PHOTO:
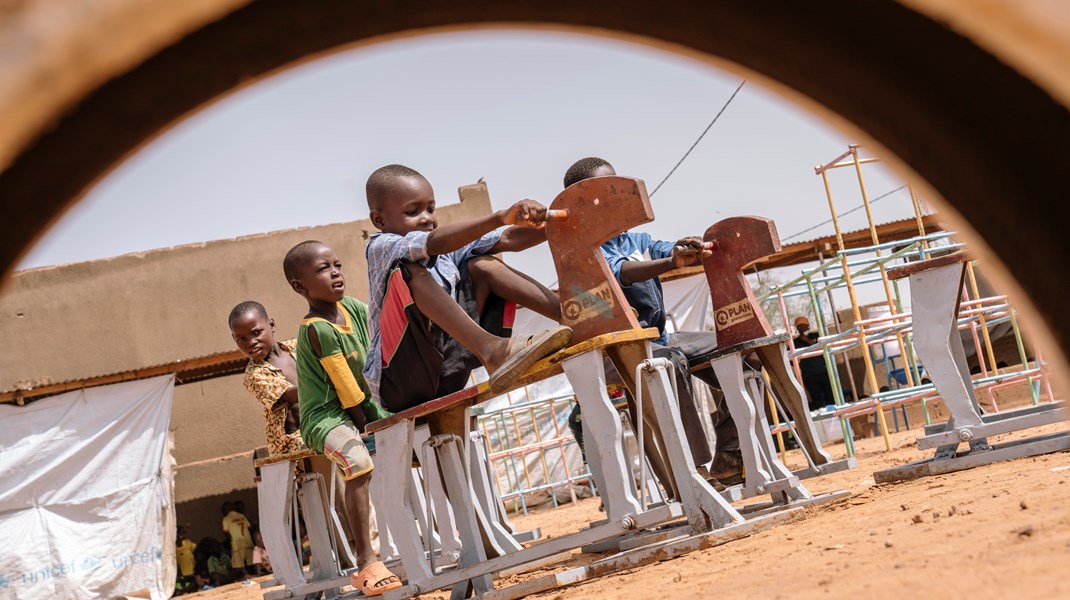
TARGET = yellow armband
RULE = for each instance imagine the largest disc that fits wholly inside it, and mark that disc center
(349, 392)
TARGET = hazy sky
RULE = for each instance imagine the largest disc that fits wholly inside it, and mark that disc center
(516, 108)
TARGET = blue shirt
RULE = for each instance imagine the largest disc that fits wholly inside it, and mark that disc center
(386, 251)
(646, 297)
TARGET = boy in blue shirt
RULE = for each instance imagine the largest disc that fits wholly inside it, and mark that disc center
(638, 278)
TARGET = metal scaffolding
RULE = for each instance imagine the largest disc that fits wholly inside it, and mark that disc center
(853, 267)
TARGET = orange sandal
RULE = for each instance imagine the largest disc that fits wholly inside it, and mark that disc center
(370, 579)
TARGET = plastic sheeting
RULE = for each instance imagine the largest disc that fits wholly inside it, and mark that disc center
(86, 509)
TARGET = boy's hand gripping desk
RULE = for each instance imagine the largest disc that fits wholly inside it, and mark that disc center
(741, 328)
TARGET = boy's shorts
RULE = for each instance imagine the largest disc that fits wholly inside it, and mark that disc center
(346, 450)
(241, 558)
(422, 361)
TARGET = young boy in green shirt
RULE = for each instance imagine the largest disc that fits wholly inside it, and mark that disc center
(332, 345)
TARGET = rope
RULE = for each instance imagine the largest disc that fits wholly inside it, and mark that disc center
(843, 214)
(682, 158)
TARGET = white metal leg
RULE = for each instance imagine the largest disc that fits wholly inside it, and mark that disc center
(602, 434)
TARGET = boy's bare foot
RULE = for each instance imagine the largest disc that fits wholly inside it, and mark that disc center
(521, 353)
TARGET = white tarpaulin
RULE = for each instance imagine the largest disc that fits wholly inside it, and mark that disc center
(687, 303)
(85, 500)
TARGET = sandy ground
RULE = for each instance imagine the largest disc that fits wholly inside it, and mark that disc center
(995, 531)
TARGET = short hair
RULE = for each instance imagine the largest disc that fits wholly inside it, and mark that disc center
(296, 257)
(583, 168)
(383, 181)
(244, 307)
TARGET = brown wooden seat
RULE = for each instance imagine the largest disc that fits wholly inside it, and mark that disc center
(924, 265)
(545, 368)
(699, 363)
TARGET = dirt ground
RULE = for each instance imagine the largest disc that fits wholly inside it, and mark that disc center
(996, 531)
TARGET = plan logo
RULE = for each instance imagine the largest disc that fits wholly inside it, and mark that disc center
(588, 304)
(734, 314)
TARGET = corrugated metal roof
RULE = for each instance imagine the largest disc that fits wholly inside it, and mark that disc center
(185, 370)
(813, 250)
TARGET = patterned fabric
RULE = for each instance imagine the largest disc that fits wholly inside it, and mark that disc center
(267, 384)
(384, 252)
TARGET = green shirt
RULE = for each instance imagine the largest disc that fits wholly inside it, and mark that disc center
(318, 389)
(219, 565)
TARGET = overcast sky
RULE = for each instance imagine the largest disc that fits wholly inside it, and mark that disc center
(516, 108)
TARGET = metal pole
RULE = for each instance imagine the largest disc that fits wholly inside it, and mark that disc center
(917, 215)
(871, 375)
(834, 382)
(542, 450)
(972, 277)
(884, 272)
(1025, 361)
(839, 329)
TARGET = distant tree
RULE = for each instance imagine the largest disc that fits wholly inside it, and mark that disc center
(764, 283)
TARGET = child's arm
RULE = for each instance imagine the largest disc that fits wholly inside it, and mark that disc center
(292, 421)
(518, 238)
(288, 399)
(453, 236)
(345, 383)
(272, 392)
(686, 251)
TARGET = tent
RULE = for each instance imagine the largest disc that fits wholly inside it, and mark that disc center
(86, 504)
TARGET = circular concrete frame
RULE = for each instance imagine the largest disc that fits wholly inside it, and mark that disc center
(973, 130)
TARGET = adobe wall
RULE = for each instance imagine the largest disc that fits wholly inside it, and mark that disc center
(87, 319)
(139, 310)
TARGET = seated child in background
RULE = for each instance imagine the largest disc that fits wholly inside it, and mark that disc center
(639, 281)
(270, 376)
(332, 344)
(217, 564)
(440, 304)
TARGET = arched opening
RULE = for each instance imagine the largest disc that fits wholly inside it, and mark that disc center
(935, 102)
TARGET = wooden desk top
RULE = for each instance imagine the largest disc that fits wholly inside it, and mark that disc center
(292, 456)
(544, 369)
(924, 265)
